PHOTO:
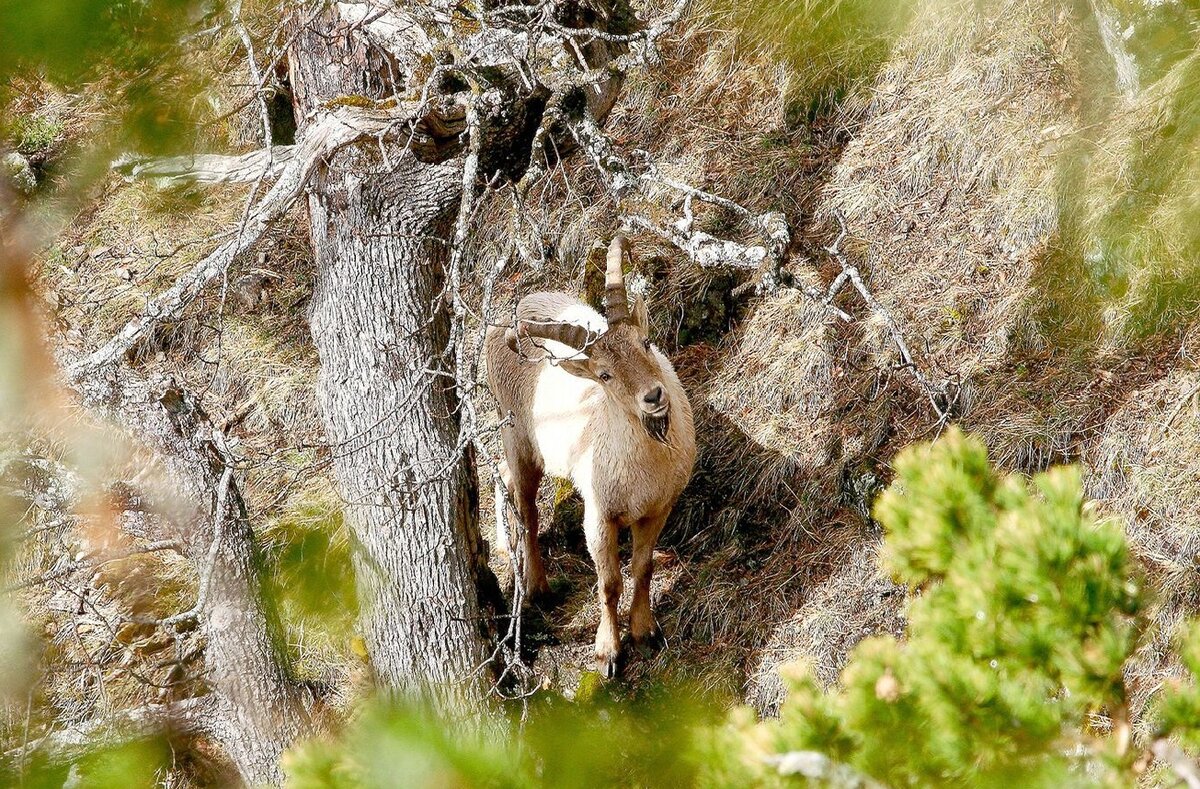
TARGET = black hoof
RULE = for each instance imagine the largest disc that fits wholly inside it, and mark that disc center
(651, 642)
(610, 667)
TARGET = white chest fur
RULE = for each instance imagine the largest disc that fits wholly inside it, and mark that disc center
(566, 410)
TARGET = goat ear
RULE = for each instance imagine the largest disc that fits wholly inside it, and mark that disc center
(638, 314)
(579, 369)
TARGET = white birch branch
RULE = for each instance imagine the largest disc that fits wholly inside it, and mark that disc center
(188, 716)
(1173, 756)
(703, 248)
(819, 767)
(1127, 79)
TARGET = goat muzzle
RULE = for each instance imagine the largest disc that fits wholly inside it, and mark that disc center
(657, 424)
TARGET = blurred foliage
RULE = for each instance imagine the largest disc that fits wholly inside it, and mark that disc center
(141, 764)
(833, 44)
(1025, 618)
(1126, 264)
(1023, 614)
(1157, 33)
(598, 740)
(1179, 710)
(308, 575)
(126, 55)
(79, 81)
(1025, 609)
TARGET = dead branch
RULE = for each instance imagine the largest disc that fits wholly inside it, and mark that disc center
(264, 114)
(425, 129)
(817, 766)
(1173, 756)
(706, 250)
(206, 168)
(1184, 400)
(1125, 68)
(850, 273)
(254, 712)
(185, 717)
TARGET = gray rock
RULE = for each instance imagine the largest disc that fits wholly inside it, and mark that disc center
(16, 172)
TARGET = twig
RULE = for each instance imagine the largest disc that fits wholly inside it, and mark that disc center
(186, 716)
(1173, 756)
(235, 14)
(851, 274)
(1166, 425)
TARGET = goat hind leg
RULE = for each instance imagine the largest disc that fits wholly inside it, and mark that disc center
(526, 558)
(536, 584)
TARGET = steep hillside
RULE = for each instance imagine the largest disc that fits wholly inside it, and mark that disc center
(965, 174)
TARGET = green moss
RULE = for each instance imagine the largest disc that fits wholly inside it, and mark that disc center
(33, 134)
(568, 507)
(357, 100)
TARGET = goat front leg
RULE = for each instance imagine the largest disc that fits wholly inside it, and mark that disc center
(602, 545)
(642, 626)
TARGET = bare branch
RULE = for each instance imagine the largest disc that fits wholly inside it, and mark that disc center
(818, 766)
(1125, 67)
(264, 115)
(332, 132)
(392, 32)
(189, 716)
(850, 273)
(1173, 756)
(706, 250)
(256, 711)
(207, 168)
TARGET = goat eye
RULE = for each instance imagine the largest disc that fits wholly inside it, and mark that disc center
(606, 376)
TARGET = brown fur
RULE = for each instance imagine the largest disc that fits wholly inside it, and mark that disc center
(588, 420)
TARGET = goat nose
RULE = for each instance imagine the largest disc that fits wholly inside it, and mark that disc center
(654, 396)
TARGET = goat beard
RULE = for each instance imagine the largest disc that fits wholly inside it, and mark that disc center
(657, 426)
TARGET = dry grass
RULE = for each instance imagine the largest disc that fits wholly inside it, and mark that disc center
(776, 384)
(949, 182)
(948, 185)
(1145, 470)
(854, 602)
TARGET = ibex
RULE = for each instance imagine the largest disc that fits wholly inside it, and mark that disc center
(593, 401)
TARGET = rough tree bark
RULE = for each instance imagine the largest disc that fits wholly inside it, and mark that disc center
(380, 323)
(253, 712)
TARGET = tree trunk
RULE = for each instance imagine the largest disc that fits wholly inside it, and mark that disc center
(254, 712)
(380, 228)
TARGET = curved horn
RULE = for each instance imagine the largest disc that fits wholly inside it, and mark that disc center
(569, 334)
(616, 302)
